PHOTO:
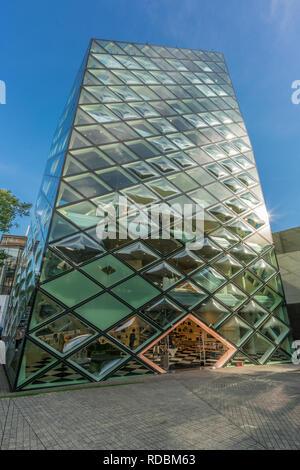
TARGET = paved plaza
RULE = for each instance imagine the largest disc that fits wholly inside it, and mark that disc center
(234, 408)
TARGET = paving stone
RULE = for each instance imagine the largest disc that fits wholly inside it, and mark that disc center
(224, 409)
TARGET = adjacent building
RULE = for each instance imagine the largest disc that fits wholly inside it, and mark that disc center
(12, 246)
(151, 125)
(287, 245)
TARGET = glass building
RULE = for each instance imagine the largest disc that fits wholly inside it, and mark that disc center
(155, 125)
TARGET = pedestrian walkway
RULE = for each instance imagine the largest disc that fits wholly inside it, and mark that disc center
(235, 408)
(4, 387)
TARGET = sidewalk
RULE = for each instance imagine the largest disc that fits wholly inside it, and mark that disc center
(4, 387)
(234, 408)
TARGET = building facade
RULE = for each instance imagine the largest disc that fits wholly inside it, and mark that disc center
(150, 125)
(12, 246)
(287, 246)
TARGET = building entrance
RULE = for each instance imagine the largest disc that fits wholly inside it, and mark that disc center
(188, 345)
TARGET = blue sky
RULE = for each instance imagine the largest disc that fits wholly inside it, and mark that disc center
(43, 43)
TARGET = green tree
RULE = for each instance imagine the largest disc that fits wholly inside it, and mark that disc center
(10, 208)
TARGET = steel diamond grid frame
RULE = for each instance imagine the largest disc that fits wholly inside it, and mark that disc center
(140, 119)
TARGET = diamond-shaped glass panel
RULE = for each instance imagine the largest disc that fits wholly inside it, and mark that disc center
(83, 214)
(99, 112)
(163, 312)
(276, 284)
(239, 228)
(162, 275)
(211, 312)
(103, 311)
(221, 213)
(44, 308)
(209, 278)
(164, 246)
(209, 250)
(248, 282)
(255, 220)
(35, 360)
(119, 153)
(132, 368)
(258, 348)
(116, 178)
(64, 334)
(253, 313)
(224, 238)
(137, 255)
(133, 333)
(231, 296)
(92, 158)
(57, 376)
(227, 265)
(128, 291)
(53, 265)
(107, 270)
(186, 260)
(243, 254)
(99, 358)
(72, 288)
(79, 248)
(187, 294)
(67, 195)
(96, 134)
(142, 170)
(236, 205)
(235, 330)
(268, 298)
(202, 197)
(274, 330)
(141, 195)
(263, 269)
(163, 188)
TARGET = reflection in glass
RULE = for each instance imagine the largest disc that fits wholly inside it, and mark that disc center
(163, 311)
(211, 312)
(133, 332)
(187, 294)
(231, 296)
(98, 358)
(235, 330)
(53, 265)
(274, 330)
(79, 248)
(137, 255)
(258, 348)
(162, 275)
(44, 308)
(64, 334)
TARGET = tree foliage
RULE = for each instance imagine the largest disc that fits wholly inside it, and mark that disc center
(3, 257)
(10, 208)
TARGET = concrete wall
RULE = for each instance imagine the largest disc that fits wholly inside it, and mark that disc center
(287, 244)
